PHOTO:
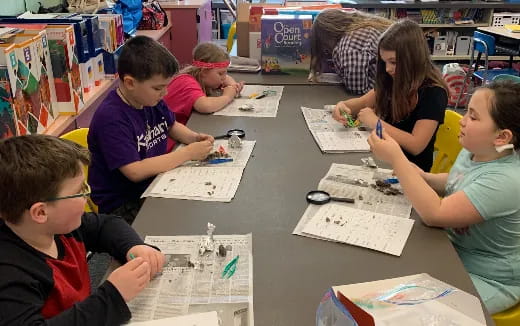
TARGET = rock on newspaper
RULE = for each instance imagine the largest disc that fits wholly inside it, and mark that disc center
(191, 283)
(250, 104)
(375, 220)
(199, 181)
(331, 136)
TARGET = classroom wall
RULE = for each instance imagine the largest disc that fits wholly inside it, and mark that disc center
(16, 7)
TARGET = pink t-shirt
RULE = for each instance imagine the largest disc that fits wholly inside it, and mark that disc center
(183, 91)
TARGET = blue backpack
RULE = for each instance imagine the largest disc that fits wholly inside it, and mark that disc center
(132, 11)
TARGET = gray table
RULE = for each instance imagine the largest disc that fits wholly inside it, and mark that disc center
(259, 78)
(291, 273)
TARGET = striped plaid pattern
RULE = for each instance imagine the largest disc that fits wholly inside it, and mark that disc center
(355, 58)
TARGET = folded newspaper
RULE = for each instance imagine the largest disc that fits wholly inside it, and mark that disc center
(242, 64)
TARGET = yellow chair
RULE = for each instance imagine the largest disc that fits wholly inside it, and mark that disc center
(447, 145)
(509, 317)
(79, 136)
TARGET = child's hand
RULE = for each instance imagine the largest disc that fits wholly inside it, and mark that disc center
(202, 137)
(337, 113)
(240, 86)
(386, 149)
(368, 117)
(152, 256)
(230, 91)
(131, 278)
(199, 150)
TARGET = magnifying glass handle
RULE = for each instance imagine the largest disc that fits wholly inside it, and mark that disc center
(220, 137)
(343, 199)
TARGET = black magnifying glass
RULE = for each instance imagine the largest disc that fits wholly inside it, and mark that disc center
(319, 197)
(232, 132)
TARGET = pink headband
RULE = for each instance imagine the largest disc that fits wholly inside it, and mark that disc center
(201, 64)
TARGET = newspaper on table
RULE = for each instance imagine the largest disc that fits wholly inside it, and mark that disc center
(202, 319)
(375, 220)
(210, 182)
(331, 136)
(244, 106)
(191, 283)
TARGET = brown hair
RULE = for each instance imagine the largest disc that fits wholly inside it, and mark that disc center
(142, 58)
(505, 107)
(331, 25)
(396, 97)
(33, 168)
(205, 52)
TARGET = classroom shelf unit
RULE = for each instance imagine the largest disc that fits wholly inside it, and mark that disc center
(446, 21)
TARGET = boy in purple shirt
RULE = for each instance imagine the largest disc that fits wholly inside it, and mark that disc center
(129, 131)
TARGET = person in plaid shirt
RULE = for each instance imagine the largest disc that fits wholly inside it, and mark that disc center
(350, 39)
(409, 97)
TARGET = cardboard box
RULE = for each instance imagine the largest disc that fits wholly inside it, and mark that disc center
(8, 118)
(65, 67)
(255, 45)
(286, 46)
(26, 89)
(243, 26)
(47, 89)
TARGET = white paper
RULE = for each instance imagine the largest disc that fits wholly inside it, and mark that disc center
(331, 136)
(457, 308)
(182, 289)
(212, 182)
(370, 210)
(375, 231)
(202, 319)
(266, 107)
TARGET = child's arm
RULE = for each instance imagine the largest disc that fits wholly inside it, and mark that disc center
(210, 104)
(23, 296)
(353, 106)
(453, 211)
(185, 135)
(229, 81)
(140, 170)
(415, 142)
(435, 180)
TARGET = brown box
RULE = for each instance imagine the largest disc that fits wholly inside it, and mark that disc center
(243, 25)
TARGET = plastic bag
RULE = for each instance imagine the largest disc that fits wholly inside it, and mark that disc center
(331, 312)
(453, 74)
(132, 13)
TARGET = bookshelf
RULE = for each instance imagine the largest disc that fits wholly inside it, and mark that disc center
(441, 18)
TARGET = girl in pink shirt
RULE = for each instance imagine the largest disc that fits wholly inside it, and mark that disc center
(204, 85)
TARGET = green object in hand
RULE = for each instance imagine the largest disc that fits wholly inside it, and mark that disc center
(131, 256)
(350, 123)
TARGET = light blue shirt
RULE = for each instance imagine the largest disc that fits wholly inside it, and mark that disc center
(492, 248)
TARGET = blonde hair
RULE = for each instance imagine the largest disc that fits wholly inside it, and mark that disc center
(205, 52)
(331, 25)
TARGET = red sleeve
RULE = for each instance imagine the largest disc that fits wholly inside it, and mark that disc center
(183, 91)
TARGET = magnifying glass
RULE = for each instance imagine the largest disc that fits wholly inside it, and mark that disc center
(319, 197)
(232, 132)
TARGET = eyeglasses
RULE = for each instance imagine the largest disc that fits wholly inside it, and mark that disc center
(85, 192)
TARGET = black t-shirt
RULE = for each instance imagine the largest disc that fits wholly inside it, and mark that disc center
(430, 106)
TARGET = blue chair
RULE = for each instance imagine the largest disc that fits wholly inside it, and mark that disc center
(485, 44)
(515, 79)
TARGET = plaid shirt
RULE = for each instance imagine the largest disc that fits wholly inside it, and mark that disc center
(355, 58)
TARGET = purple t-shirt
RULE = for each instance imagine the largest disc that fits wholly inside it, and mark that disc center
(119, 135)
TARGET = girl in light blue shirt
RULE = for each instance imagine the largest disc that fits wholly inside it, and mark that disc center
(480, 197)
